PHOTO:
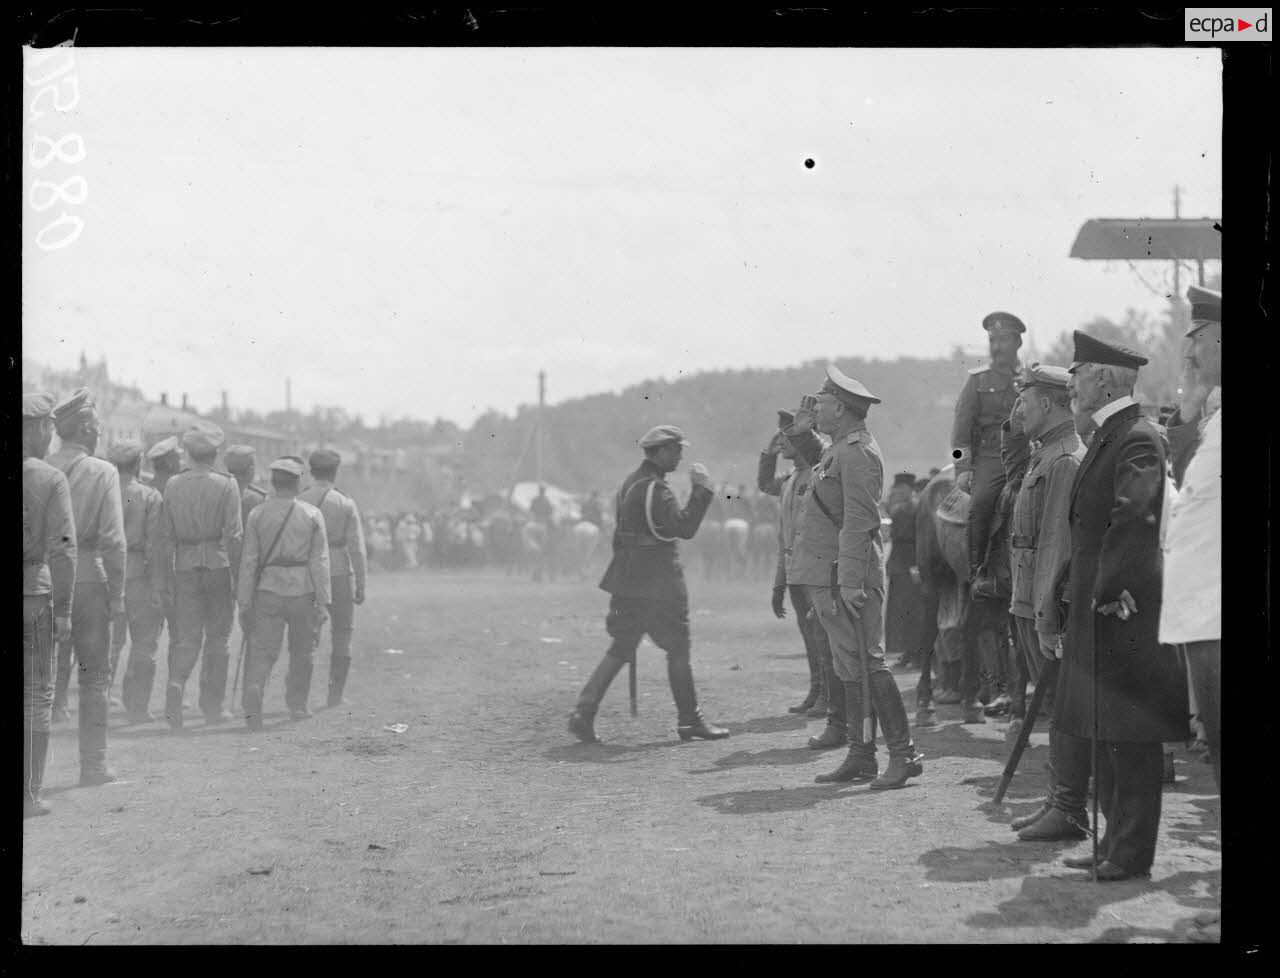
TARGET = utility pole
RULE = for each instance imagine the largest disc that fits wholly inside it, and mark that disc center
(1177, 268)
(537, 443)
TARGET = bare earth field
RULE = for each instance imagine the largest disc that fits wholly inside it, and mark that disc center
(486, 822)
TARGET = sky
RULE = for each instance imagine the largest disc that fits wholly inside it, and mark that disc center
(418, 232)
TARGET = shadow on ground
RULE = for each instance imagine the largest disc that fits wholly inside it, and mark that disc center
(763, 801)
(580, 753)
(778, 756)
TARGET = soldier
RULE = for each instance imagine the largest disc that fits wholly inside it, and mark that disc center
(284, 581)
(1040, 552)
(985, 402)
(48, 581)
(1191, 605)
(100, 568)
(902, 612)
(144, 594)
(791, 489)
(346, 561)
(840, 558)
(165, 457)
(240, 461)
(200, 530)
(647, 584)
(1117, 682)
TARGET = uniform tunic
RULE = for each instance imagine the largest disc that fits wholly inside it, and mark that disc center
(145, 577)
(48, 579)
(985, 403)
(345, 533)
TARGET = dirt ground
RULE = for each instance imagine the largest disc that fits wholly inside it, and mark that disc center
(486, 822)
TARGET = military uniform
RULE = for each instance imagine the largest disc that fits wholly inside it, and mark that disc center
(985, 402)
(144, 583)
(166, 459)
(48, 581)
(284, 583)
(200, 530)
(839, 558)
(99, 591)
(346, 565)
(648, 593)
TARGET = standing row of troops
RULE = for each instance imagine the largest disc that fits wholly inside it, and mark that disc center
(1113, 567)
(104, 553)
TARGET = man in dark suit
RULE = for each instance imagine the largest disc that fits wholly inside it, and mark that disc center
(1117, 680)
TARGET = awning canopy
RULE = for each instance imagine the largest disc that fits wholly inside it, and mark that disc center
(1149, 239)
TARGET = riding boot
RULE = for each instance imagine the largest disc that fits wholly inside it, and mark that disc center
(35, 756)
(252, 707)
(338, 667)
(680, 675)
(297, 684)
(173, 706)
(904, 760)
(593, 692)
(860, 763)
(138, 682)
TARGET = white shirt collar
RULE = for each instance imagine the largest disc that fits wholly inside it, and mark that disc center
(1111, 407)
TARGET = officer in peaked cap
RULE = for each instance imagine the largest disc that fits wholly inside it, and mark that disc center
(48, 582)
(347, 566)
(1090, 349)
(99, 602)
(984, 403)
(201, 531)
(646, 582)
(840, 560)
(283, 584)
(1206, 308)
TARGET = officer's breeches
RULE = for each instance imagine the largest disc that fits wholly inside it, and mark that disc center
(988, 480)
(342, 614)
(667, 624)
(37, 662)
(273, 614)
(849, 644)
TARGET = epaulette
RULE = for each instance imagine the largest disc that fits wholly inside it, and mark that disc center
(858, 437)
(975, 371)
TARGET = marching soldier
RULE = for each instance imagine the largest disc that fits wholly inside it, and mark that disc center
(48, 581)
(240, 461)
(984, 404)
(840, 558)
(144, 593)
(200, 530)
(284, 582)
(1040, 552)
(791, 490)
(347, 566)
(647, 583)
(1118, 686)
(100, 570)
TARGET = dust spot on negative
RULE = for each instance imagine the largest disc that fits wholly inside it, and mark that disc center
(808, 164)
(955, 454)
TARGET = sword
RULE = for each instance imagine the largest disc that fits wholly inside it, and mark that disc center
(1048, 673)
(631, 684)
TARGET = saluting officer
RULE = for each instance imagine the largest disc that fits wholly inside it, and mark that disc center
(284, 581)
(200, 530)
(347, 565)
(984, 404)
(646, 581)
(144, 594)
(48, 580)
(100, 569)
(840, 558)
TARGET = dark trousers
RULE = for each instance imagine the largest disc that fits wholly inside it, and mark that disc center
(988, 480)
(1030, 664)
(91, 641)
(927, 641)
(342, 614)
(667, 624)
(1130, 792)
(37, 663)
(985, 647)
(205, 611)
(902, 622)
(816, 646)
(1205, 660)
(273, 613)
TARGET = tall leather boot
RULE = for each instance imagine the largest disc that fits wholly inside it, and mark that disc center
(338, 668)
(690, 722)
(810, 702)
(859, 764)
(904, 760)
(138, 682)
(35, 754)
(252, 707)
(173, 706)
(582, 719)
(836, 733)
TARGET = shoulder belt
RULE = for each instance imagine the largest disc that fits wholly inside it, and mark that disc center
(977, 371)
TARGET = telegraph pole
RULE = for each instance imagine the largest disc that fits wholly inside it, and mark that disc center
(537, 444)
(1177, 269)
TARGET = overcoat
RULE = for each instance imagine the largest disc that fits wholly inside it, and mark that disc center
(1116, 503)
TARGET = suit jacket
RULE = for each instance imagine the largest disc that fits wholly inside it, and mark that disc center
(1115, 508)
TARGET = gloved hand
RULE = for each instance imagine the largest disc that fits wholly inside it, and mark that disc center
(779, 609)
(699, 476)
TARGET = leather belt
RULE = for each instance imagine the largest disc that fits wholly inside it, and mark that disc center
(1022, 543)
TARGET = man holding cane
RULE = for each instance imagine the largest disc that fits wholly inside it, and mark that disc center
(840, 559)
(647, 584)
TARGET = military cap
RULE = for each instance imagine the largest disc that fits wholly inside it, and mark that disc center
(785, 419)
(73, 404)
(1006, 320)
(845, 387)
(1044, 375)
(288, 464)
(165, 446)
(202, 438)
(904, 479)
(238, 458)
(664, 434)
(325, 458)
(1089, 349)
(124, 453)
(1206, 307)
(37, 404)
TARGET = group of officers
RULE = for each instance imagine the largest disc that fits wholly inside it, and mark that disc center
(108, 557)
(1109, 534)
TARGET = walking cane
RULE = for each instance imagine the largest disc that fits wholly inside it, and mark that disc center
(631, 684)
(1048, 674)
(244, 648)
(1093, 761)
